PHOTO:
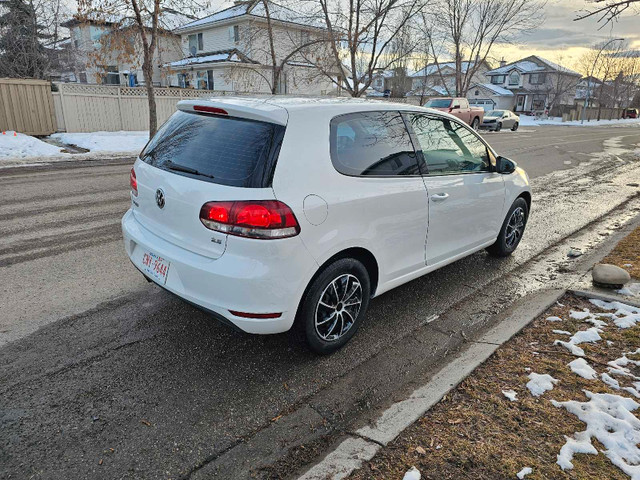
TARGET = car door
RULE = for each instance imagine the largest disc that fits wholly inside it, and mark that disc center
(465, 197)
(508, 120)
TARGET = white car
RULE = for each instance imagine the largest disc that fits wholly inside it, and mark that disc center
(275, 212)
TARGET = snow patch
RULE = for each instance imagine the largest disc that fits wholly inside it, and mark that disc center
(609, 420)
(20, 146)
(412, 474)
(510, 394)
(524, 472)
(625, 316)
(106, 142)
(554, 319)
(582, 368)
(631, 290)
(590, 335)
(580, 315)
(574, 349)
(561, 332)
(540, 383)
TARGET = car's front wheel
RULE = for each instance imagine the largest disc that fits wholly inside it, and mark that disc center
(334, 305)
(498, 127)
(512, 229)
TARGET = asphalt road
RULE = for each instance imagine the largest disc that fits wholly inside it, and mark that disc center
(105, 376)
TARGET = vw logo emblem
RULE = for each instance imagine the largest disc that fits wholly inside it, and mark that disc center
(160, 198)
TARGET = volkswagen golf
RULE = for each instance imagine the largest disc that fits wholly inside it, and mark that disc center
(272, 213)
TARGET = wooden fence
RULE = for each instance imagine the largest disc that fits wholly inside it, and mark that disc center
(26, 106)
(92, 108)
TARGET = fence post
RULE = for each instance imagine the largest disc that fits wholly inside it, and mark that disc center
(120, 108)
(64, 112)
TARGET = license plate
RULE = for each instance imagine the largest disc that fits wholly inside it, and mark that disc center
(155, 266)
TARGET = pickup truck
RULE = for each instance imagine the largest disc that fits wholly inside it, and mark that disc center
(459, 107)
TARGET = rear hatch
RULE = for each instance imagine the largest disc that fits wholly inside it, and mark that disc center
(204, 153)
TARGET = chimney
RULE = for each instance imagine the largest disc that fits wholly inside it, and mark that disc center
(503, 62)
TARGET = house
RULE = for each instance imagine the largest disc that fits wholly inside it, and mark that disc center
(230, 50)
(109, 51)
(442, 75)
(397, 81)
(535, 84)
(490, 97)
(588, 88)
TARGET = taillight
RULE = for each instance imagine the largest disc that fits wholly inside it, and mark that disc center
(203, 108)
(133, 182)
(266, 219)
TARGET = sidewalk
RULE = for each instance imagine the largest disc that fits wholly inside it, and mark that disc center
(559, 400)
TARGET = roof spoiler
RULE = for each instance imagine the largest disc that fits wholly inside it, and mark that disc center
(251, 109)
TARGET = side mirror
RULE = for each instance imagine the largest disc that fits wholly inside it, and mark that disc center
(504, 165)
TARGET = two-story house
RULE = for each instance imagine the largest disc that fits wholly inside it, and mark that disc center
(440, 78)
(109, 50)
(230, 50)
(532, 84)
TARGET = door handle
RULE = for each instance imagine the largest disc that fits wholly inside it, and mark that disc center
(439, 197)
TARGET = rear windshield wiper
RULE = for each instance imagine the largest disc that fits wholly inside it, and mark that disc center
(183, 168)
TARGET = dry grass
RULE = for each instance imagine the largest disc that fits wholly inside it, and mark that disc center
(627, 252)
(477, 433)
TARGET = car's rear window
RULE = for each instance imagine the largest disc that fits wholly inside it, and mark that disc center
(225, 150)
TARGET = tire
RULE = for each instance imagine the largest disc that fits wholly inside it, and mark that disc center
(349, 279)
(515, 127)
(476, 123)
(508, 240)
(498, 127)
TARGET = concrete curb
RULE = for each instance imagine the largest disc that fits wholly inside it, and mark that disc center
(606, 297)
(363, 444)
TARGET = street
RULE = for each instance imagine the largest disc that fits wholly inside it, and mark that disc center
(106, 376)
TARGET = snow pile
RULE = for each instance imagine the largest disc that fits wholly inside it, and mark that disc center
(412, 474)
(510, 394)
(625, 316)
(610, 421)
(106, 142)
(524, 472)
(530, 121)
(25, 146)
(538, 384)
(582, 368)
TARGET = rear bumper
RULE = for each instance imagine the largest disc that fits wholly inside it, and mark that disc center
(271, 280)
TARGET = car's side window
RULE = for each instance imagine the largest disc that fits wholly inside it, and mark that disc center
(372, 144)
(448, 147)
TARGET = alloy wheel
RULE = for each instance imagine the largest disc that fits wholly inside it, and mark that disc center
(338, 307)
(515, 227)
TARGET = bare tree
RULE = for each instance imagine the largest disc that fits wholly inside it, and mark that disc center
(146, 17)
(473, 27)
(607, 10)
(361, 38)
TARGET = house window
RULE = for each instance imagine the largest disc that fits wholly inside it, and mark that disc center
(538, 102)
(183, 80)
(210, 83)
(83, 77)
(537, 78)
(514, 78)
(236, 33)
(497, 79)
(476, 93)
(204, 80)
(110, 75)
(196, 43)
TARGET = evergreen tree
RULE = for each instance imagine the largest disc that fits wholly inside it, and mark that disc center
(22, 53)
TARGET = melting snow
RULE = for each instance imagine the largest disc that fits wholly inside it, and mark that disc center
(510, 394)
(554, 319)
(625, 316)
(524, 472)
(582, 368)
(580, 315)
(609, 420)
(574, 349)
(561, 332)
(590, 335)
(538, 384)
(412, 474)
(631, 290)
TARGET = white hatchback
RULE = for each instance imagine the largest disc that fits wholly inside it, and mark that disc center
(274, 212)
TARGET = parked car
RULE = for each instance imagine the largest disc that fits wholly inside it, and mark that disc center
(277, 213)
(630, 113)
(458, 107)
(496, 120)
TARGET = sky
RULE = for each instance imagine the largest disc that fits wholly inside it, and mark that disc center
(563, 40)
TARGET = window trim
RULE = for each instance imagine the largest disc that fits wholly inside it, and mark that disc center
(423, 161)
(412, 139)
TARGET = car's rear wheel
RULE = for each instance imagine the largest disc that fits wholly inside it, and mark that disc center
(476, 123)
(498, 126)
(515, 127)
(512, 229)
(334, 305)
